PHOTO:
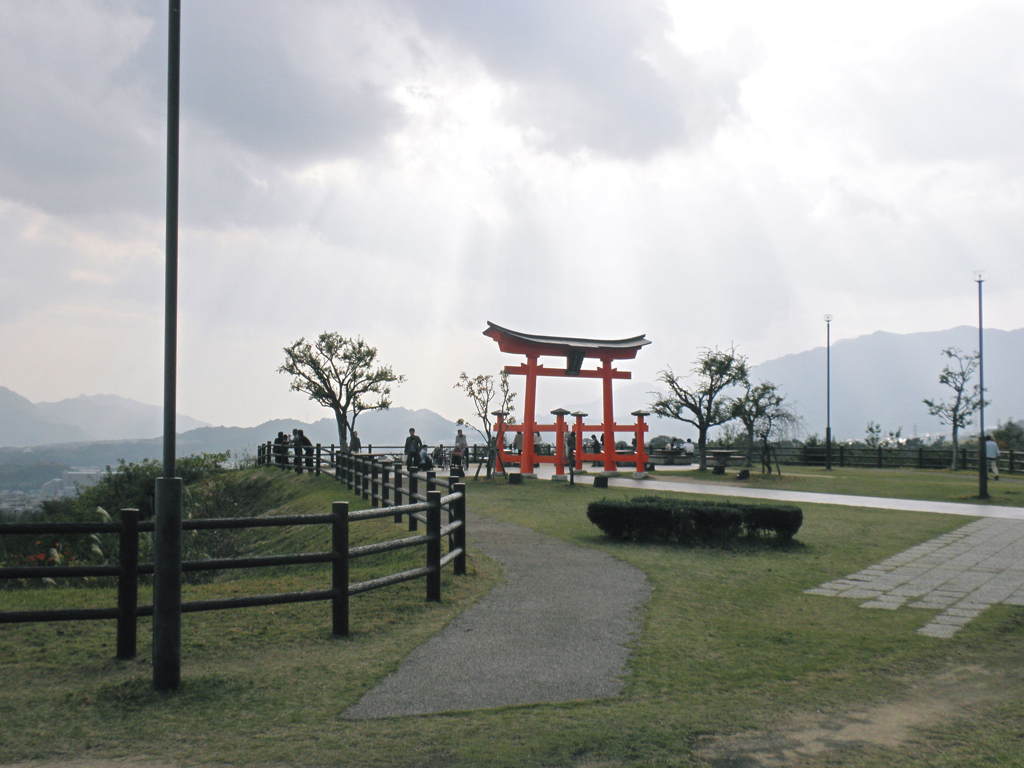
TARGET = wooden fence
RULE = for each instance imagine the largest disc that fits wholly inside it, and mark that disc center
(422, 508)
(317, 457)
(919, 457)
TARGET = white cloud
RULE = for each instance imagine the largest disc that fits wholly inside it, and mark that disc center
(405, 171)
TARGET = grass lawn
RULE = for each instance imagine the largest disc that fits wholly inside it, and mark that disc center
(731, 653)
(930, 484)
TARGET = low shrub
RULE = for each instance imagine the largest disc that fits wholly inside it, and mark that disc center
(657, 518)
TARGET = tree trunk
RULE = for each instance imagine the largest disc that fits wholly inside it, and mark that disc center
(750, 446)
(956, 449)
(702, 444)
(339, 416)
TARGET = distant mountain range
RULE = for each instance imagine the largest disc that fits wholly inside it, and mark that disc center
(882, 377)
(378, 428)
(80, 419)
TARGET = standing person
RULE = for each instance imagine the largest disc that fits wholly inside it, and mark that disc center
(460, 454)
(413, 444)
(303, 445)
(992, 454)
(295, 459)
(689, 448)
(355, 444)
(517, 443)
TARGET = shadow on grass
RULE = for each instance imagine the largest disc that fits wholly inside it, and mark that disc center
(140, 693)
(741, 545)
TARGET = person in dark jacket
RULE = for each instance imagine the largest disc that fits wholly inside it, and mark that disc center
(413, 444)
(305, 446)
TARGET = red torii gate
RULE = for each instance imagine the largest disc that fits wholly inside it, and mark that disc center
(575, 351)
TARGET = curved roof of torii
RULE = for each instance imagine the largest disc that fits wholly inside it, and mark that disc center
(517, 342)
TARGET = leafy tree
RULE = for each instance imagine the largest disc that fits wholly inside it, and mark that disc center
(1010, 434)
(761, 411)
(959, 410)
(894, 438)
(702, 404)
(482, 390)
(873, 434)
(339, 373)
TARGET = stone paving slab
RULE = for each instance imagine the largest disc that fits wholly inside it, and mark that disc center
(958, 574)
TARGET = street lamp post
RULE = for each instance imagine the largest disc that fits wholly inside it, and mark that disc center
(828, 392)
(168, 492)
(982, 459)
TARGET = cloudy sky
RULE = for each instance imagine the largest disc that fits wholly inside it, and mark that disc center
(704, 173)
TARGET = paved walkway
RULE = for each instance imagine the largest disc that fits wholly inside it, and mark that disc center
(874, 502)
(652, 483)
(556, 630)
(959, 574)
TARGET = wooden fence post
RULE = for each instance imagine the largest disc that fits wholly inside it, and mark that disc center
(349, 460)
(128, 584)
(398, 490)
(459, 513)
(431, 481)
(317, 463)
(1011, 461)
(298, 456)
(364, 477)
(374, 483)
(385, 467)
(879, 457)
(434, 546)
(413, 487)
(339, 569)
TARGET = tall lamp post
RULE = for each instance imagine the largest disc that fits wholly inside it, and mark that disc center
(982, 459)
(828, 392)
(168, 495)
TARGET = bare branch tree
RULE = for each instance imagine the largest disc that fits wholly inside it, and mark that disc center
(339, 373)
(761, 411)
(701, 404)
(482, 391)
(959, 410)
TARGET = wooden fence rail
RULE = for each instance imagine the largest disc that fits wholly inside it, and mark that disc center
(918, 457)
(129, 568)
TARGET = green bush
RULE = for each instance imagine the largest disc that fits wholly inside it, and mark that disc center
(209, 491)
(656, 518)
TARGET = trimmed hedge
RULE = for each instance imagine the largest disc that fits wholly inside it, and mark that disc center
(686, 521)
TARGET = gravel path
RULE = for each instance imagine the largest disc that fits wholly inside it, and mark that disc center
(556, 630)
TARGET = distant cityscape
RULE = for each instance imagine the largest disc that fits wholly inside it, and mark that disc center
(17, 504)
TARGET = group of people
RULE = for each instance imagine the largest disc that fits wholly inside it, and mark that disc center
(284, 445)
(418, 457)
